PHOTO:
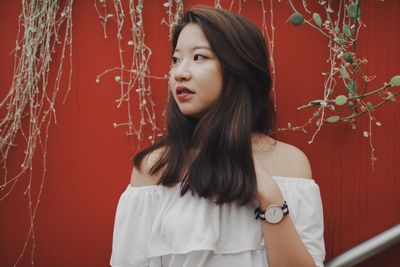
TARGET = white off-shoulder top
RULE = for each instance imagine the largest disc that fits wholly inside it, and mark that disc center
(155, 226)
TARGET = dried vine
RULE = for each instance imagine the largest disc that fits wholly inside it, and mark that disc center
(174, 11)
(134, 76)
(29, 105)
(269, 34)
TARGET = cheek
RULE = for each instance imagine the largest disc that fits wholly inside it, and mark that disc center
(171, 84)
(170, 80)
(216, 82)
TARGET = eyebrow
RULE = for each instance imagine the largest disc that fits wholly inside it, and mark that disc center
(196, 47)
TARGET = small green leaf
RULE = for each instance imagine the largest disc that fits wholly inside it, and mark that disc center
(339, 39)
(315, 102)
(332, 119)
(346, 30)
(297, 19)
(369, 106)
(352, 87)
(348, 57)
(317, 19)
(395, 81)
(340, 100)
(353, 11)
(344, 73)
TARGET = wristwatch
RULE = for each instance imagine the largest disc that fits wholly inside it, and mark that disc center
(273, 213)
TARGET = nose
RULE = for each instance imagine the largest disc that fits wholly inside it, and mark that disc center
(181, 72)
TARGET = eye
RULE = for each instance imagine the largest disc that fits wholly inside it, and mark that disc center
(174, 60)
(198, 56)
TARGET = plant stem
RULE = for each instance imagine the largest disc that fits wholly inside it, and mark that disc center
(312, 25)
(373, 108)
(350, 98)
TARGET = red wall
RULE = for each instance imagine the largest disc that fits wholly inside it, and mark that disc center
(88, 161)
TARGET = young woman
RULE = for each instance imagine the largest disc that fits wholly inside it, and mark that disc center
(217, 190)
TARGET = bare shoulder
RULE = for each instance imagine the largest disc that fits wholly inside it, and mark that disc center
(285, 160)
(292, 161)
(142, 177)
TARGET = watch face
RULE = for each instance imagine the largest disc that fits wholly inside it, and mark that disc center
(273, 214)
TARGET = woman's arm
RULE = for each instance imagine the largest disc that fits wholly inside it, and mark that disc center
(283, 244)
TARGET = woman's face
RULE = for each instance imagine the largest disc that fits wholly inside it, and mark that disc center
(195, 76)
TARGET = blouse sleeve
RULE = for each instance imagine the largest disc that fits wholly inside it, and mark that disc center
(305, 208)
(133, 222)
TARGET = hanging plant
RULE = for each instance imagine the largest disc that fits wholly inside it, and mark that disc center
(133, 77)
(345, 68)
(45, 27)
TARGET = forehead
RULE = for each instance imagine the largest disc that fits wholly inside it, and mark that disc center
(192, 36)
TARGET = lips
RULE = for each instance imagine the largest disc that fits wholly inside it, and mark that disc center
(183, 94)
(182, 90)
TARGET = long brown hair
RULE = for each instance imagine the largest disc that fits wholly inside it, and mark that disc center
(212, 155)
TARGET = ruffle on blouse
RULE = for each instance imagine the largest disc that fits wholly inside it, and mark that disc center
(191, 223)
(155, 221)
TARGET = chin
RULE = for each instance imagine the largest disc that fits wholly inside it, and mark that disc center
(191, 113)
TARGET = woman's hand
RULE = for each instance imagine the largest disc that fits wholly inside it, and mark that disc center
(268, 191)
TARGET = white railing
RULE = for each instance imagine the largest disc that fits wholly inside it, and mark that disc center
(367, 249)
